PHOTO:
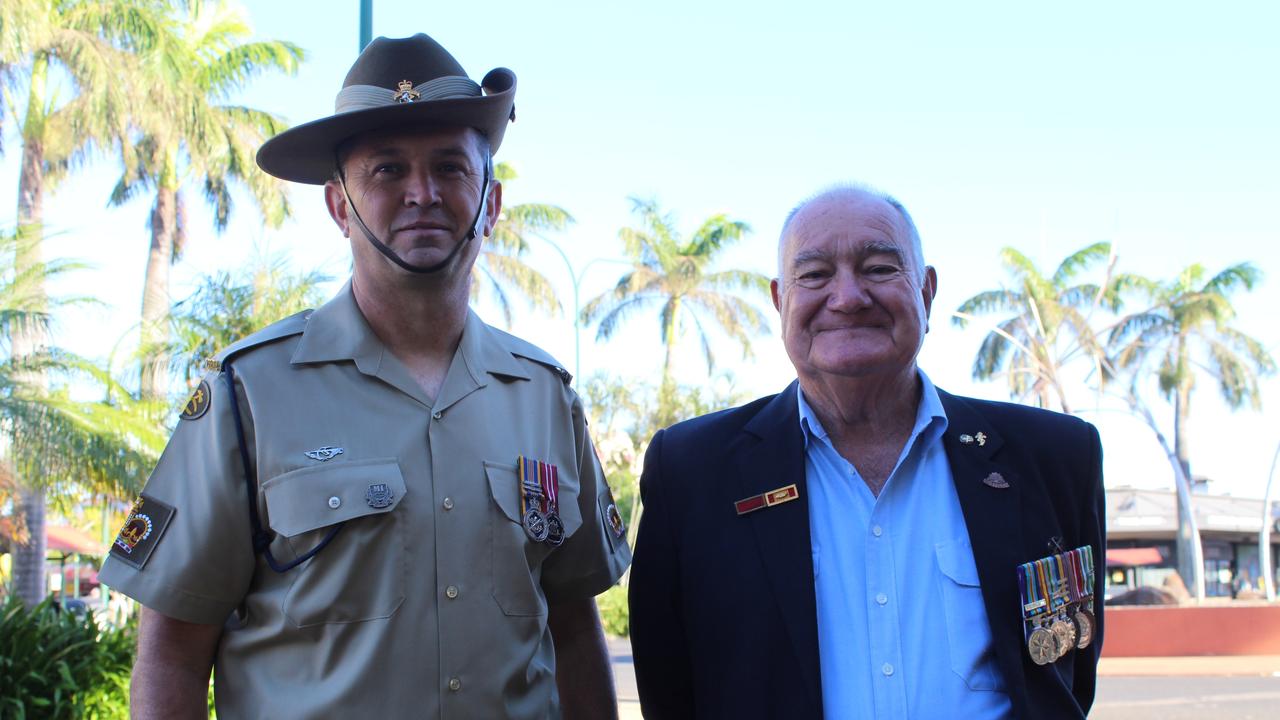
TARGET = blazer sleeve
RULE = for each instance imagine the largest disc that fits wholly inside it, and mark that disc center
(659, 646)
(1093, 527)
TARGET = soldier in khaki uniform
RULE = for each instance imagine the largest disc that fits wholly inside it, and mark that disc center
(398, 511)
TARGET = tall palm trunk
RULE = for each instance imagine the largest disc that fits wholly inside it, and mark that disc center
(29, 338)
(155, 293)
(1190, 551)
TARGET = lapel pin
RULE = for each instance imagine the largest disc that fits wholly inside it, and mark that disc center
(995, 480)
(981, 438)
(965, 439)
(764, 500)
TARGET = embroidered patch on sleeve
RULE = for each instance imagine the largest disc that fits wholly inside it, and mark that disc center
(198, 403)
(141, 532)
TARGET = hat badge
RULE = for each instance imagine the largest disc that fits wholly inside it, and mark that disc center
(405, 92)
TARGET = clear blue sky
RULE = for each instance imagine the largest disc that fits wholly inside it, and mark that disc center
(1045, 127)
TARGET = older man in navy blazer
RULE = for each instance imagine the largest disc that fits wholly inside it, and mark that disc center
(849, 548)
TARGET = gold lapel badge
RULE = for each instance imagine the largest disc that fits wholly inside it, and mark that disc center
(405, 92)
(769, 499)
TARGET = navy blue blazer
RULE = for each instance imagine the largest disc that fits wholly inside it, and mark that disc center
(723, 614)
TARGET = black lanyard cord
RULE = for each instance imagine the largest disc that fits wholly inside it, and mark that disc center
(261, 537)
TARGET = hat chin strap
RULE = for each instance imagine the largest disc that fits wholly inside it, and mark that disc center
(391, 255)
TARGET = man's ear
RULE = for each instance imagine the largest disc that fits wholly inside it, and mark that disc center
(775, 288)
(928, 290)
(336, 201)
(493, 208)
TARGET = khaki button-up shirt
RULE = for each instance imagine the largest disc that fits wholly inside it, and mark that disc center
(431, 601)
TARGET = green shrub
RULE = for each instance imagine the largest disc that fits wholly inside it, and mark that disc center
(59, 665)
(613, 611)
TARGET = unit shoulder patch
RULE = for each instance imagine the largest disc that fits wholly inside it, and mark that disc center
(198, 404)
(141, 532)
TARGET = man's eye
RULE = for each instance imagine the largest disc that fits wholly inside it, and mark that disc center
(386, 168)
(450, 168)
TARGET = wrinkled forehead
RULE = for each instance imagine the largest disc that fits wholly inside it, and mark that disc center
(857, 226)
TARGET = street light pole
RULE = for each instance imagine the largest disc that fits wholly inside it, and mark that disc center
(366, 23)
(576, 279)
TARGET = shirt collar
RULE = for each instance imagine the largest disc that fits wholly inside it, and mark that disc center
(930, 416)
(338, 331)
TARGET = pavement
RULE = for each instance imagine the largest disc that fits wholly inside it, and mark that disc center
(1217, 666)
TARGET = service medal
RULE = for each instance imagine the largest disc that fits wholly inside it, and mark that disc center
(535, 524)
(1042, 646)
(1064, 633)
(1084, 623)
(555, 530)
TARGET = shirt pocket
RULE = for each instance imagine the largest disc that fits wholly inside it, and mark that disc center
(360, 574)
(516, 568)
(968, 632)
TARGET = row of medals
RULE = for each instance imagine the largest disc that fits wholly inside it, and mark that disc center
(540, 526)
(1068, 622)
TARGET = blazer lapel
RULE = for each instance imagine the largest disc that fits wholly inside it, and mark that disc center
(993, 513)
(772, 457)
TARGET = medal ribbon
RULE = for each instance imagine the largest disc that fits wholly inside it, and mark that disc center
(530, 488)
(551, 486)
(1033, 602)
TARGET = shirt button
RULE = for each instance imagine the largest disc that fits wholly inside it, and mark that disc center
(448, 503)
(882, 598)
(451, 592)
(335, 502)
(455, 684)
(436, 414)
(887, 669)
(877, 530)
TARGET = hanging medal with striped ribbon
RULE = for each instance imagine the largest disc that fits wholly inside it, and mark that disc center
(531, 497)
(550, 478)
(1081, 567)
(1063, 629)
(1035, 609)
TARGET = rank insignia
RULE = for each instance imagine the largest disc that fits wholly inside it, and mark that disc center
(142, 529)
(198, 404)
(405, 92)
(379, 495)
(769, 499)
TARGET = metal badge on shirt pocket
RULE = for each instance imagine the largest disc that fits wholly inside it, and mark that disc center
(1057, 604)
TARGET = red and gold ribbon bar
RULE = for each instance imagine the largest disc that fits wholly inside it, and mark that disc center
(769, 499)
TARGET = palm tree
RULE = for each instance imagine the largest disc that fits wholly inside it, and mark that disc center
(1186, 330)
(196, 62)
(52, 442)
(66, 61)
(674, 275)
(500, 266)
(229, 306)
(1048, 323)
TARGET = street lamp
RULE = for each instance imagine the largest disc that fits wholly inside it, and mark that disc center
(366, 23)
(576, 277)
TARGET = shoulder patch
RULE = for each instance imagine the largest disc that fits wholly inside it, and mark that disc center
(141, 531)
(527, 350)
(292, 325)
(198, 404)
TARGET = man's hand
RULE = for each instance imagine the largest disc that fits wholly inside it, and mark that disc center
(171, 674)
(583, 674)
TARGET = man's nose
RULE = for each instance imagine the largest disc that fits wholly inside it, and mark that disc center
(421, 189)
(848, 292)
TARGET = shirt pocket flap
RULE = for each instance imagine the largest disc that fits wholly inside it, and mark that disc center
(505, 490)
(314, 497)
(955, 560)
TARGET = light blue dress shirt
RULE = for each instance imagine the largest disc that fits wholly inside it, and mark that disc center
(902, 631)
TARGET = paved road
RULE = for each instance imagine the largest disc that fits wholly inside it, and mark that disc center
(1157, 689)
(1187, 698)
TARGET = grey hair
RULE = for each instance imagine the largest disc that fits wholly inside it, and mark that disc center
(844, 190)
